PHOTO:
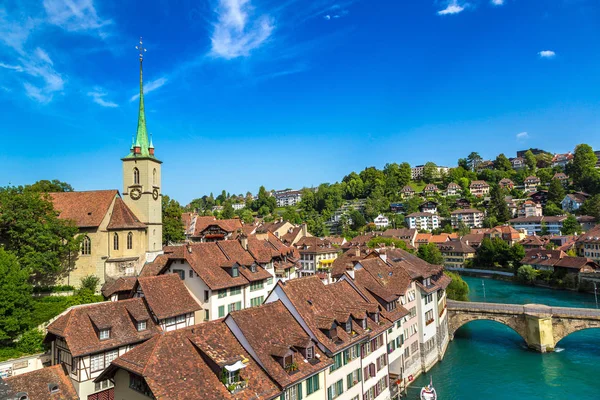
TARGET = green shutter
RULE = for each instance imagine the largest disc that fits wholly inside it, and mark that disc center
(300, 391)
(359, 374)
(329, 396)
(282, 397)
(316, 384)
(340, 386)
(309, 386)
(221, 311)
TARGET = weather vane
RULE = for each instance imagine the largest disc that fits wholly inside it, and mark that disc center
(141, 49)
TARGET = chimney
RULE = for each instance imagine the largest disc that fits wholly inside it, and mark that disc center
(304, 230)
(189, 247)
(244, 241)
(357, 251)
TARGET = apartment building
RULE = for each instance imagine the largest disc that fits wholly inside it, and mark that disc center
(316, 257)
(407, 192)
(506, 183)
(471, 217)
(430, 190)
(453, 189)
(531, 184)
(534, 225)
(287, 198)
(456, 253)
(422, 221)
(479, 188)
(200, 228)
(529, 209)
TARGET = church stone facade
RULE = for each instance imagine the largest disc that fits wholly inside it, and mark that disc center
(120, 233)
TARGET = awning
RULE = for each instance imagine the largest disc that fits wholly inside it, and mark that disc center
(235, 367)
(330, 261)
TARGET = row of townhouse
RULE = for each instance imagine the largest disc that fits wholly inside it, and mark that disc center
(287, 198)
(381, 324)
(470, 217)
(431, 189)
(416, 173)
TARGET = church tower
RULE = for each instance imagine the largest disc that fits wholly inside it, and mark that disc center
(142, 178)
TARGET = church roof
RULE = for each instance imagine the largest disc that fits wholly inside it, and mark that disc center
(123, 218)
(86, 209)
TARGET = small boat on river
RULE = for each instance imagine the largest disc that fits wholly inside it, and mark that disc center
(428, 392)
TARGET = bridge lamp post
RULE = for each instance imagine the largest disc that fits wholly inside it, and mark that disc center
(483, 285)
(596, 294)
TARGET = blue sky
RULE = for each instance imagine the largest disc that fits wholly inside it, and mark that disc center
(290, 93)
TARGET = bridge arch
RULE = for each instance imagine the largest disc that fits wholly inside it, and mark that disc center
(563, 327)
(516, 323)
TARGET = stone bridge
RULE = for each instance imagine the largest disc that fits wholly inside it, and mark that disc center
(541, 327)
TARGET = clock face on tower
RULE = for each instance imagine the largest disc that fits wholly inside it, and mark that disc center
(135, 193)
(155, 194)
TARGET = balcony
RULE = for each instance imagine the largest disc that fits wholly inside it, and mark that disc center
(236, 387)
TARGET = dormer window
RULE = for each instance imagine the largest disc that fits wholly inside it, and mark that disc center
(310, 352)
(391, 306)
(287, 362)
(235, 272)
(253, 268)
(104, 334)
(53, 387)
(364, 323)
(349, 327)
(141, 326)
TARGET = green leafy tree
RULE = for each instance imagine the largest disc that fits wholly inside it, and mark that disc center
(544, 231)
(31, 342)
(412, 205)
(545, 175)
(246, 216)
(90, 283)
(516, 254)
(430, 172)
(552, 209)
(498, 207)
(556, 192)
(15, 297)
(583, 169)
(430, 253)
(571, 226)
(228, 211)
(463, 163)
(591, 207)
(527, 274)
(458, 289)
(530, 160)
(45, 245)
(502, 163)
(358, 220)
(387, 241)
(316, 226)
(265, 203)
(46, 186)
(173, 229)
(473, 160)
(463, 229)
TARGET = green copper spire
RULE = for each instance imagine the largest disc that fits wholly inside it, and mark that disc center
(141, 147)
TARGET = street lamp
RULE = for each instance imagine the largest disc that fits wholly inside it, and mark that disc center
(483, 284)
(596, 294)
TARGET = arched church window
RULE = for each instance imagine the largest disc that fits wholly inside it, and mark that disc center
(136, 176)
(86, 246)
(116, 241)
(129, 241)
(154, 177)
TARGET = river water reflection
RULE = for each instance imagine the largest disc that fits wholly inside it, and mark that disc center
(488, 360)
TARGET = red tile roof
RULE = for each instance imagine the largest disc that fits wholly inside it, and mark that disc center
(187, 364)
(272, 332)
(79, 325)
(167, 296)
(37, 384)
(123, 284)
(123, 218)
(86, 209)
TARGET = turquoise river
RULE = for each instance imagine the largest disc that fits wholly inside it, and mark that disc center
(490, 361)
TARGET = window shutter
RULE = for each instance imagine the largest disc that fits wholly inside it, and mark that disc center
(329, 396)
(299, 392)
(372, 369)
(378, 364)
(366, 373)
(282, 397)
(359, 374)
(349, 380)
(362, 350)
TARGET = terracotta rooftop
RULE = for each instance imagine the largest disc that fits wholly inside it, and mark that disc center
(79, 325)
(228, 225)
(262, 328)
(86, 209)
(167, 296)
(123, 218)
(37, 384)
(123, 284)
(187, 364)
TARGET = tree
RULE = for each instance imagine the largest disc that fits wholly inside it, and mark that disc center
(458, 289)
(387, 241)
(473, 160)
(463, 229)
(498, 207)
(358, 220)
(430, 172)
(463, 163)
(516, 254)
(583, 169)
(228, 211)
(556, 192)
(592, 207)
(15, 297)
(571, 226)
(530, 160)
(527, 274)
(544, 231)
(502, 163)
(46, 246)
(265, 202)
(90, 283)
(552, 209)
(431, 253)
(246, 216)
(317, 227)
(46, 186)
(173, 229)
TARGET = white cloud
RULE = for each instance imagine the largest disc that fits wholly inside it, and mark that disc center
(327, 17)
(150, 86)
(14, 33)
(522, 135)
(237, 32)
(39, 66)
(36, 93)
(497, 2)
(17, 68)
(547, 54)
(452, 8)
(42, 55)
(74, 15)
(98, 95)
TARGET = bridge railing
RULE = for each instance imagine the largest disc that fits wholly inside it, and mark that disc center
(522, 309)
